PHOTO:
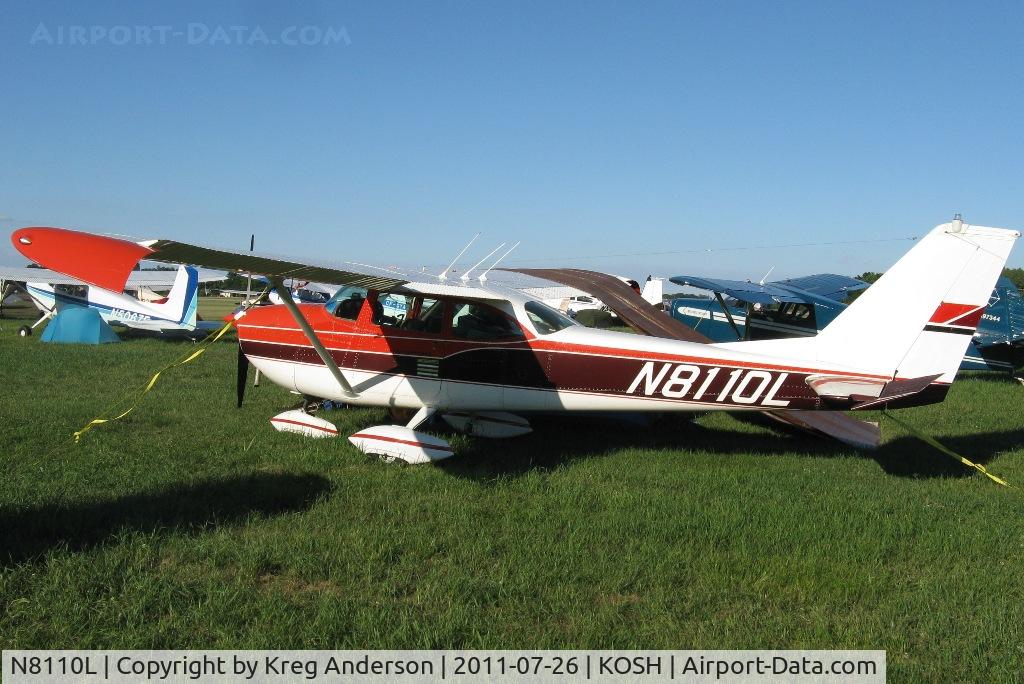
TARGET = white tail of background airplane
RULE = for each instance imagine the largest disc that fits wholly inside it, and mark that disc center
(183, 299)
(918, 319)
(654, 291)
(179, 308)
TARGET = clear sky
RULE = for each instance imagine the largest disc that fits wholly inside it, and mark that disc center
(582, 129)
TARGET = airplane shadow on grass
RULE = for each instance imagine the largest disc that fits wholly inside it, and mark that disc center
(27, 533)
(558, 442)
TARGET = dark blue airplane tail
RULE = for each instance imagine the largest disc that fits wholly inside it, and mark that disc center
(999, 342)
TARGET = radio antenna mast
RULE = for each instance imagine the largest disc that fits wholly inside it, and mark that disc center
(444, 273)
(465, 276)
(483, 276)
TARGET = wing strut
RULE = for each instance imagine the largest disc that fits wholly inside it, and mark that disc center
(728, 315)
(311, 335)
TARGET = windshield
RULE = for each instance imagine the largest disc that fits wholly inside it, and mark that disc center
(545, 319)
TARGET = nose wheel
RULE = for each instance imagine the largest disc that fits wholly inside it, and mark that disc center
(24, 331)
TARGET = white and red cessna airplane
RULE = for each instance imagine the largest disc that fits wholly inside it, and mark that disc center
(483, 353)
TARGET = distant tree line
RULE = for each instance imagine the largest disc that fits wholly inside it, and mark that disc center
(234, 281)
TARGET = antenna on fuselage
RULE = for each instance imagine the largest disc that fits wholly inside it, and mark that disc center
(444, 273)
(483, 276)
(765, 276)
(465, 276)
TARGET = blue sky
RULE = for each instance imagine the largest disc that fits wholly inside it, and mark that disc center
(582, 129)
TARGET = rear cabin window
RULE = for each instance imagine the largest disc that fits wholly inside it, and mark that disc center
(475, 321)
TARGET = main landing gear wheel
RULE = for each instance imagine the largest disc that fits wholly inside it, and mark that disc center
(25, 331)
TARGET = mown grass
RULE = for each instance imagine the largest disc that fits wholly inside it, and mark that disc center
(193, 524)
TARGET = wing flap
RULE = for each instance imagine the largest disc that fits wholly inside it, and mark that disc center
(858, 433)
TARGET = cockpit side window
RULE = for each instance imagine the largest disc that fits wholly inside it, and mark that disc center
(347, 302)
(476, 321)
(546, 320)
(391, 309)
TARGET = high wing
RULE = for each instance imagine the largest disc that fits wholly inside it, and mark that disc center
(272, 267)
(828, 285)
(822, 290)
(108, 262)
(755, 293)
(136, 279)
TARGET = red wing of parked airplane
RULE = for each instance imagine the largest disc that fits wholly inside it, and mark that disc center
(490, 352)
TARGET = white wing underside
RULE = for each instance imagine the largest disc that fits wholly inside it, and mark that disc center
(150, 278)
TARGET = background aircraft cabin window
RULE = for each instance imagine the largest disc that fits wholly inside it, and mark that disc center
(347, 302)
(545, 319)
(791, 313)
(79, 291)
(473, 321)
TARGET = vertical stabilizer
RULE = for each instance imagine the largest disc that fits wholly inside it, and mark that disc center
(918, 319)
(654, 291)
(183, 299)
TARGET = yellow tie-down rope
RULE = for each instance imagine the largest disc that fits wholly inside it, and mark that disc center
(191, 356)
(927, 439)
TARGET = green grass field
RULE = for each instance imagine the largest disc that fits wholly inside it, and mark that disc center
(193, 524)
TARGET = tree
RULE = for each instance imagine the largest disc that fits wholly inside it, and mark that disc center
(869, 276)
(1016, 275)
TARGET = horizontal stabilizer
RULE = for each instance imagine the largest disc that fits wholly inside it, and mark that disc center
(893, 390)
(857, 433)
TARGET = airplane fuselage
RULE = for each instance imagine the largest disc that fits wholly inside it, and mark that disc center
(575, 369)
(112, 307)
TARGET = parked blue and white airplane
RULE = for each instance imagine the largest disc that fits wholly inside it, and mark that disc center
(801, 307)
(137, 307)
